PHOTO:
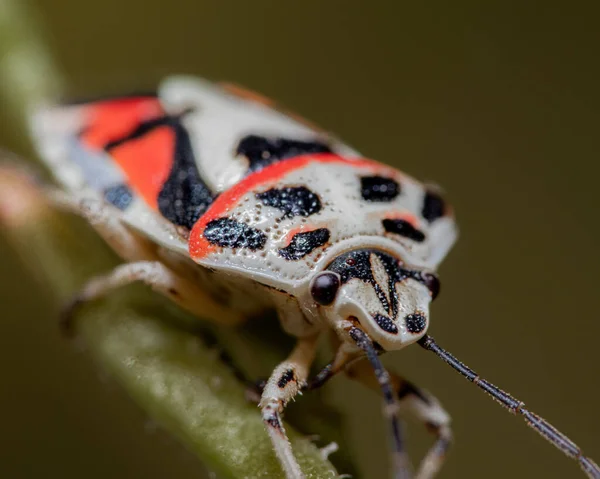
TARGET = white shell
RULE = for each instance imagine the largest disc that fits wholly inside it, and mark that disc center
(216, 120)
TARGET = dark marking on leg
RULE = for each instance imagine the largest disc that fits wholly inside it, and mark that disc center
(273, 422)
(272, 419)
(379, 188)
(429, 411)
(408, 388)
(403, 228)
(304, 243)
(262, 152)
(119, 196)
(285, 378)
(292, 201)
(233, 234)
(437, 453)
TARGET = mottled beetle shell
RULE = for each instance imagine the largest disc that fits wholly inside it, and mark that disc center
(219, 175)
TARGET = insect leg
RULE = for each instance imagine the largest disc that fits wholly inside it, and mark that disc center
(162, 280)
(285, 383)
(105, 220)
(419, 403)
(343, 356)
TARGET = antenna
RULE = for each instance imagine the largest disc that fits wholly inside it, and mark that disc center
(543, 427)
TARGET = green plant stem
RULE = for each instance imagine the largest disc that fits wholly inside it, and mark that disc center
(28, 73)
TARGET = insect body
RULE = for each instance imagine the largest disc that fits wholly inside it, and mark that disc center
(231, 207)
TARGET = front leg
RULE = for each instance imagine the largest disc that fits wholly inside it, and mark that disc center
(427, 409)
(420, 404)
(285, 383)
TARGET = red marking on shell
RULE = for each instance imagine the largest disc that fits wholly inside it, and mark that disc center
(300, 229)
(199, 247)
(110, 120)
(402, 215)
(147, 162)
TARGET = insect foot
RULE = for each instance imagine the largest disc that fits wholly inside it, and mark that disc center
(283, 449)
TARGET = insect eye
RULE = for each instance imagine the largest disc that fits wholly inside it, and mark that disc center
(433, 283)
(324, 287)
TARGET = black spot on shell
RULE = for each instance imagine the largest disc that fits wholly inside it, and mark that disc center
(403, 228)
(119, 196)
(385, 323)
(292, 201)
(303, 243)
(262, 152)
(434, 206)
(379, 188)
(184, 196)
(415, 323)
(233, 234)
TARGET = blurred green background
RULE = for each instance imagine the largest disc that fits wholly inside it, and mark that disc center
(496, 102)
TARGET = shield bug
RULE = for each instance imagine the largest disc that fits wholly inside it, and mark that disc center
(230, 207)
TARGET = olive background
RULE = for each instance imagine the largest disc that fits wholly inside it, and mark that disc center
(497, 102)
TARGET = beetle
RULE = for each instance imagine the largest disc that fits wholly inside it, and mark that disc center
(230, 206)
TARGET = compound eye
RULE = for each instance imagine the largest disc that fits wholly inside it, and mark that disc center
(433, 283)
(324, 287)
